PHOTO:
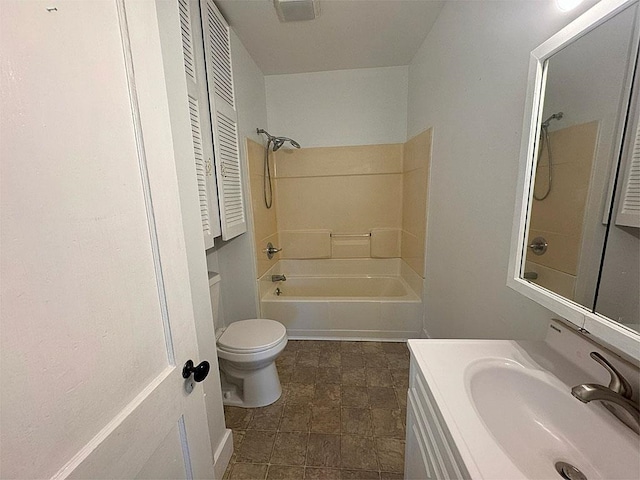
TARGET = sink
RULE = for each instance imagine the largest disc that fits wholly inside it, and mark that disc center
(509, 411)
(537, 423)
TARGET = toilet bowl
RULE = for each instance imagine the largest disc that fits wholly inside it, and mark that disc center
(247, 351)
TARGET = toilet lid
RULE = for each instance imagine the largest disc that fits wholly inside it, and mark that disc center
(252, 335)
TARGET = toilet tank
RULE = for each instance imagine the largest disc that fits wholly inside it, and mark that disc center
(214, 293)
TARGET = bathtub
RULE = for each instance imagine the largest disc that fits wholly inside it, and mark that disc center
(355, 299)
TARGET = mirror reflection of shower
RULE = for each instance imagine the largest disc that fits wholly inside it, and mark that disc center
(544, 139)
(275, 143)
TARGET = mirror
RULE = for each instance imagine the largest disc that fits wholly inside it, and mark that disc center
(573, 180)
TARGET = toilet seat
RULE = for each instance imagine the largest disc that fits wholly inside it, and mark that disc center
(252, 336)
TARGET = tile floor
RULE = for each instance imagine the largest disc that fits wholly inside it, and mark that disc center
(341, 415)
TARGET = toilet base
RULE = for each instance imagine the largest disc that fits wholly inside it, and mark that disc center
(249, 388)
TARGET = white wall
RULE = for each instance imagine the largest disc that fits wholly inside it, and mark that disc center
(336, 108)
(468, 81)
(235, 259)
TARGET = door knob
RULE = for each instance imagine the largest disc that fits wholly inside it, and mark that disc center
(200, 371)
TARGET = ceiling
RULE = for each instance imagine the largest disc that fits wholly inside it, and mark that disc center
(347, 34)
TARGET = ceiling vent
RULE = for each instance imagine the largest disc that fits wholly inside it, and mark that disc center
(297, 10)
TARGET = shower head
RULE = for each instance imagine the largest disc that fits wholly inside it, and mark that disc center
(278, 142)
(555, 116)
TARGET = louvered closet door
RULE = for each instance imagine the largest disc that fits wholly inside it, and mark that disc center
(217, 47)
(199, 114)
(629, 211)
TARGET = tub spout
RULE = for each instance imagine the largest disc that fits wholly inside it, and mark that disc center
(278, 278)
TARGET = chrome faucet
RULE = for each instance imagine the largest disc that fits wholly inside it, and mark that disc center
(618, 392)
(278, 278)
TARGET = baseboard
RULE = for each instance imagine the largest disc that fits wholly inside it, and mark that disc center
(351, 335)
(222, 455)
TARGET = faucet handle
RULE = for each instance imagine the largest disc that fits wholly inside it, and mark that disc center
(618, 383)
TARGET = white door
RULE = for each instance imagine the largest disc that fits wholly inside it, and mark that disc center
(96, 309)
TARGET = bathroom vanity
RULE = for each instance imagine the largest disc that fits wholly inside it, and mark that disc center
(501, 409)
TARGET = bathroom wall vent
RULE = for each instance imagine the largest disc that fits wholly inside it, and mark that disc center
(297, 10)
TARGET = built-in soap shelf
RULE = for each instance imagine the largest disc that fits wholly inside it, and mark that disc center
(308, 244)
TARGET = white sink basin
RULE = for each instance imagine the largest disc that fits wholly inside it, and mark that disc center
(510, 418)
(537, 423)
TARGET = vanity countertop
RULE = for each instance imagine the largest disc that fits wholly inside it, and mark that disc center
(510, 413)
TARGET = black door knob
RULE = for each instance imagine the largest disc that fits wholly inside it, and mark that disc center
(200, 371)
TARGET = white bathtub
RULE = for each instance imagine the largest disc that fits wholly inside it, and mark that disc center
(346, 299)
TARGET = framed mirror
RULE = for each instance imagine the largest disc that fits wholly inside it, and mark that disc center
(570, 250)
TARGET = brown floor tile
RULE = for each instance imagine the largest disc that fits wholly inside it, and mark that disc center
(328, 375)
(349, 361)
(256, 447)
(387, 423)
(281, 472)
(351, 347)
(397, 361)
(354, 377)
(356, 421)
(286, 358)
(237, 418)
(315, 473)
(238, 436)
(312, 345)
(327, 395)
(400, 377)
(325, 419)
(323, 450)
(308, 358)
(401, 395)
(382, 397)
(354, 396)
(298, 393)
(302, 374)
(330, 346)
(359, 475)
(390, 454)
(248, 471)
(290, 448)
(379, 377)
(285, 373)
(395, 347)
(329, 359)
(391, 476)
(375, 360)
(358, 453)
(293, 345)
(296, 418)
(372, 347)
(266, 418)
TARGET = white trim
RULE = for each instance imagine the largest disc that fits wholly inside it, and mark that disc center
(600, 327)
(351, 335)
(223, 453)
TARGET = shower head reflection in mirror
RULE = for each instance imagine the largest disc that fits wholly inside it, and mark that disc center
(545, 140)
(275, 144)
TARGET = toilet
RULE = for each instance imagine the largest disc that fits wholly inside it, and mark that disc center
(247, 350)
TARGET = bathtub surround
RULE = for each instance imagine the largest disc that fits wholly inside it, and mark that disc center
(559, 218)
(416, 161)
(342, 190)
